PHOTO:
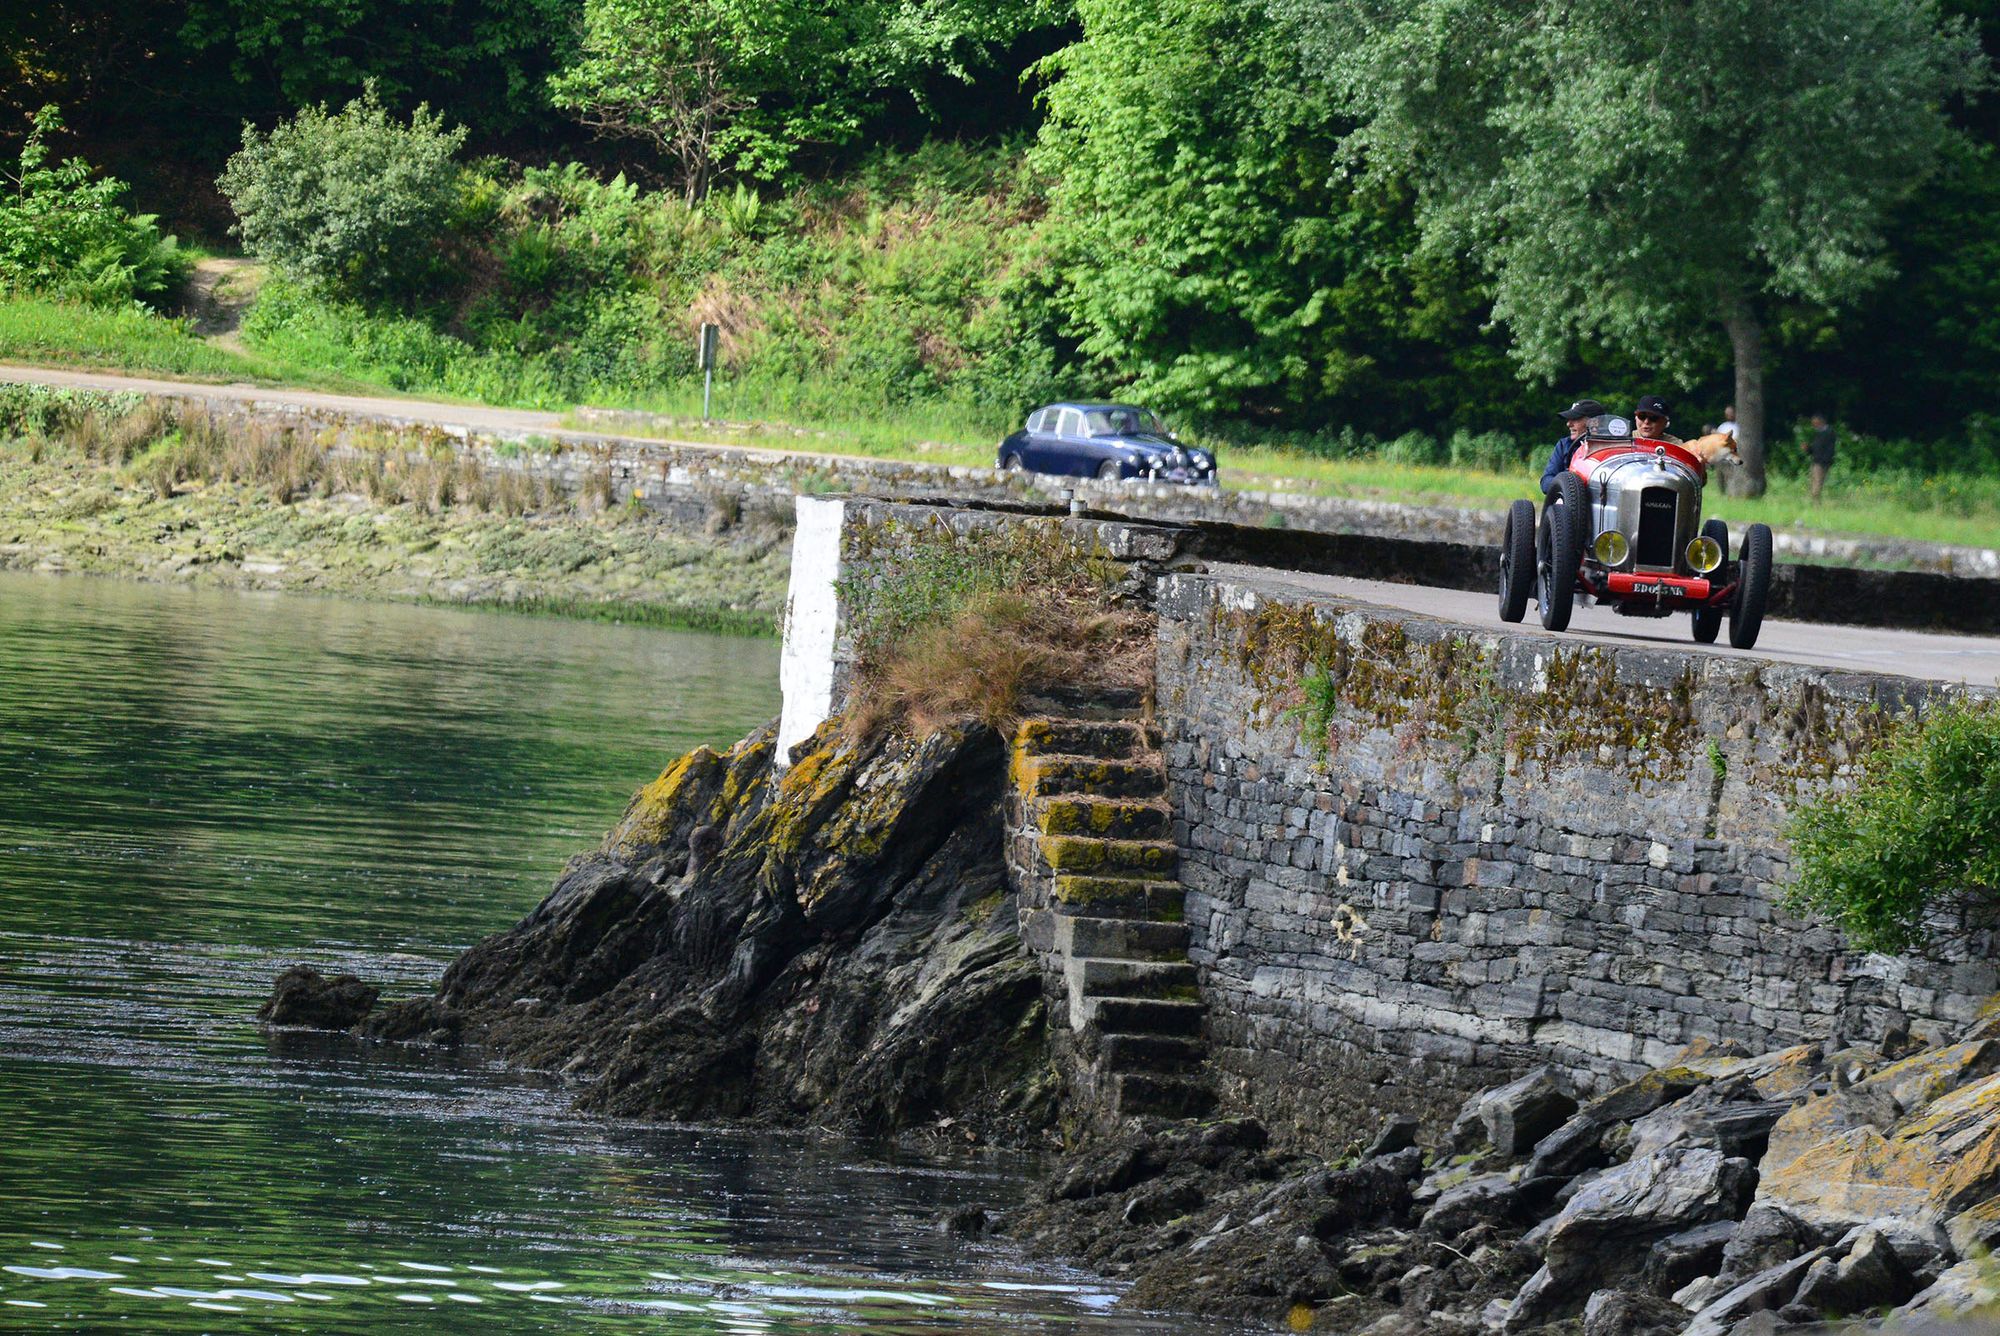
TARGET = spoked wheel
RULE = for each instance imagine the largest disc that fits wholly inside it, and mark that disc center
(1559, 551)
(1517, 562)
(1109, 471)
(1753, 587)
(1708, 620)
(1013, 464)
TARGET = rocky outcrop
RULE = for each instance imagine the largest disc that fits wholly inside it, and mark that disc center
(833, 946)
(1724, 1194)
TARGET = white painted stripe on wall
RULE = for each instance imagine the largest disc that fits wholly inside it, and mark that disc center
(812, 622)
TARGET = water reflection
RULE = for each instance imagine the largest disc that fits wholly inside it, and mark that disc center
(197, 789)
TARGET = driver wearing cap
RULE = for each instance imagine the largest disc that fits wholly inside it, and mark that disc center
(1650, 419)
(1578, 416)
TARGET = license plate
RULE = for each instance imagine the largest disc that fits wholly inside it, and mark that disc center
(1671, 591)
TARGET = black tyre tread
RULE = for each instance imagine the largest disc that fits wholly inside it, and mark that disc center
(1753, 588)
(1576, 500)
(1517, 562)
(1557, 584)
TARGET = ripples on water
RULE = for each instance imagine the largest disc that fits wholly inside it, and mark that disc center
(197, 789)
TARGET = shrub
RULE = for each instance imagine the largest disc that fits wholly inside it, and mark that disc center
(1920, 829)
(352, 201)
(63, 233)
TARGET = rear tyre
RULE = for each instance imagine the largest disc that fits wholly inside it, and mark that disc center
(1013, 464)
(1517, 562)
(1708, 620)
(1555, 586)
(1109, 471)
(1753, 588)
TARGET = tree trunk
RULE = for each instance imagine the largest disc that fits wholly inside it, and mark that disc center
(1746, 339)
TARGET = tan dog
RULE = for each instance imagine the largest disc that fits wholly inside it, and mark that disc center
(1718, 447)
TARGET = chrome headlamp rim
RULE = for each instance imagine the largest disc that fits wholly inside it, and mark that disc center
(1704, 554)
(1611, 548)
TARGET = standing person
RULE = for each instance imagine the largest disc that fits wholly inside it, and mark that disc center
(1819, 449)
(1728, 427)
(1578, 416)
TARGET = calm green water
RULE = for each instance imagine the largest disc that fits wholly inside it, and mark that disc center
(197, 789)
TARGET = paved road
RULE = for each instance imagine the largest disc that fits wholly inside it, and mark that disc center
(1971, 659)
(1946, 658)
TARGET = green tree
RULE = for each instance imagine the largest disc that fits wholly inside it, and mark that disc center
(1920, 829)
(1651, 172)
(63, 231)
(349, 201)
(1209, 256)
(749, 83)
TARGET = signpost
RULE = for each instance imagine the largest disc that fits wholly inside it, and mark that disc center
(705, 353)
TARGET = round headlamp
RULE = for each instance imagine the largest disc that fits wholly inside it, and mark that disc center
(1704, 554)
(1611, 547)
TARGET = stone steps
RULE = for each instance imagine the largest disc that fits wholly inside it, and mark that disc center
(1087, 855)
(1113, 818)
(1092, 791)
(1057, 774)
(1146, 1015)
(1125, 938)
(1121, 704)
(1120, 897)
(1164, 1096)
(1111, 738)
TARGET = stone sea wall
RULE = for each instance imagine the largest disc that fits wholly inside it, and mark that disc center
(1420, 858)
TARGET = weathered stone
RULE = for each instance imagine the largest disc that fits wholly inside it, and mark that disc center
(1457, 1209)
(1679, 1258)
(1578, 1144)
(1869, 1276)
(1764, 1292)
(1513, 1117)
(1928, 1168)
(1607, 1229)
(1726, 1116)
(1399, 1132)
(1626, 1313)
(1975, 1229)
(1970, 1290)
(1767, 1237)
(304, 997)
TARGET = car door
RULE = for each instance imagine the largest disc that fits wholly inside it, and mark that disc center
(1035, 442)
(1072, 446)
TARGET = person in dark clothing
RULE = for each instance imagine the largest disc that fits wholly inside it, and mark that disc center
(1650, 419)
(1819, 449)
(1578, 416)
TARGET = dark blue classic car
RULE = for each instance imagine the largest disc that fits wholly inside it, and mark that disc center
(1108, 441)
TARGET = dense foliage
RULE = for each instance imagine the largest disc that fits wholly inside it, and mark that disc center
(1299, 220)
(352, 201)
(1920, 831)
(64, 232)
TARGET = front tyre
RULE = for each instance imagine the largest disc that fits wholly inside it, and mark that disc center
(1556, 587)
(1012, 464)
(1517, 562)
(1753, 588)
(1708, 620)
(1109, 471)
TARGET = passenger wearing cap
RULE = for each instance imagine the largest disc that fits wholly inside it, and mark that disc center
(1578, 416)
(1650, 420)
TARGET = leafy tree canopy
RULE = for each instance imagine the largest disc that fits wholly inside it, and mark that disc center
(349, 201)
(748, 83)
(1644, 171)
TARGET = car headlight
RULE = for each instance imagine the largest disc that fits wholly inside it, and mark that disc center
(1704, 554)
(1611, 547)
(1202, 459)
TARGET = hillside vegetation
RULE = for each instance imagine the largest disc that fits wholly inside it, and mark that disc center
(915, 219)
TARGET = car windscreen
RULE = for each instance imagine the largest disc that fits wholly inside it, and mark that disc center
(1122, 422)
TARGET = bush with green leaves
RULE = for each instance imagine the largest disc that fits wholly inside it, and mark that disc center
(351, 201)
(63, 232)
(1919, 831)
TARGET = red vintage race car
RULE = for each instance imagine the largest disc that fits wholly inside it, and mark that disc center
(1623, 527)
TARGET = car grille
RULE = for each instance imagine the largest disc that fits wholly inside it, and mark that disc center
(1657, 511)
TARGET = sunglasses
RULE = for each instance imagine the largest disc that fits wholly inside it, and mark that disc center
(1650, 417)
